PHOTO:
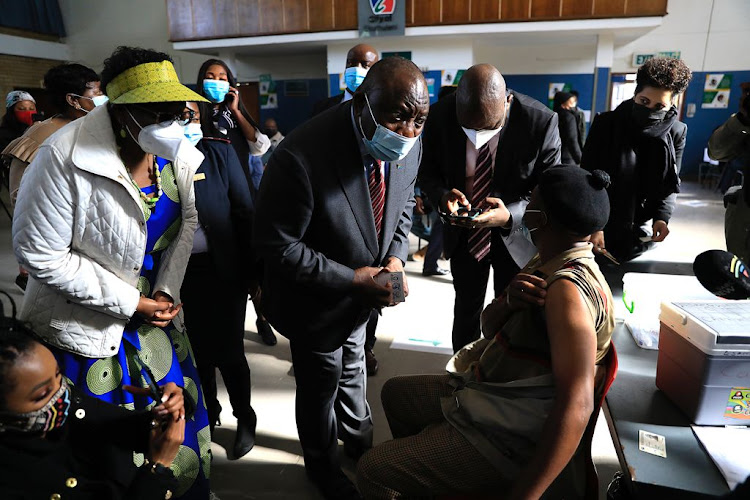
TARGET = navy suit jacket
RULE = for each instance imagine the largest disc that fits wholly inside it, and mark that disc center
(225, 211)
(314, 226)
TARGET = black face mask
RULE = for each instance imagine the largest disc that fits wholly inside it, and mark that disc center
(644, 116)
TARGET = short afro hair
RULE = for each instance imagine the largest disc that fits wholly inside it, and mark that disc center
(124, 58)
(68, 78)
(663, 73)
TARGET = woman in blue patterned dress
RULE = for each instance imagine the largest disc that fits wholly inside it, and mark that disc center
(105, 228)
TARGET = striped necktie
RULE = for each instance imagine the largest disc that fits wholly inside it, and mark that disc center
(376, 183)
(479, 239)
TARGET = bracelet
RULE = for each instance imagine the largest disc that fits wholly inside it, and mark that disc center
(156, 467)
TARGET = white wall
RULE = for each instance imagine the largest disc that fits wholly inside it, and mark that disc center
(427, 53)
(550, 58)
(96, 27)
(720, 46)
(281, 67)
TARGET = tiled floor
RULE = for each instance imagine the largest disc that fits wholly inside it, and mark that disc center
(274, 468)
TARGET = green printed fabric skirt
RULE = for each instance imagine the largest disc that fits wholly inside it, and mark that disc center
(166, 351)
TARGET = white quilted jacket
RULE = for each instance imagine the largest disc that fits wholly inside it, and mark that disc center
(80, 231)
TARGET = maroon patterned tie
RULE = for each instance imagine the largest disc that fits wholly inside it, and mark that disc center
(376, 183)
(479, 239)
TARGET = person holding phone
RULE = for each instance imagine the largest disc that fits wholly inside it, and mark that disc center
(104, 224)
(484, 148)
(233, 122)
(217, 83)
(55, 440)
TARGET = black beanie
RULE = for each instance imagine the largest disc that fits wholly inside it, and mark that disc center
(575, 198)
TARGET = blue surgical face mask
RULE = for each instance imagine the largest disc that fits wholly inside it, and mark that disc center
(353, 77)
(386, 145)
(215, 90)
(193, 132)
(97, 100)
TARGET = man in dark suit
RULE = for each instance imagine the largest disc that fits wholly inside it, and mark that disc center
(333, 212)
(359, 59)
(485, 146)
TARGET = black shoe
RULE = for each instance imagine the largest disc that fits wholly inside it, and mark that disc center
(244, 440)
(438, 271)
(265, 332)
(371, 362)
(335, 486)
(214, 417)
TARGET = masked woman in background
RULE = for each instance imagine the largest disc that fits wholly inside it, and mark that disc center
(74, 90)
(104, 224)
(19, 109)
(640, 145)
(217, 83)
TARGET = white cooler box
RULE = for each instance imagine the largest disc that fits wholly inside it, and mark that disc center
(704, 360)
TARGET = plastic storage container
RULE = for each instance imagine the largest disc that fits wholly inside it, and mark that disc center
(642, 295)
(704, 360)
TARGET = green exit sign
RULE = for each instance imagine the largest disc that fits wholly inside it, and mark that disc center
(639, 59)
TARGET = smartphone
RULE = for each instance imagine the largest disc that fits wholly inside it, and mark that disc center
(462, 214)
(154, 390)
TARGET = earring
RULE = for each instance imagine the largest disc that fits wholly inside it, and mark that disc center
(123, 133)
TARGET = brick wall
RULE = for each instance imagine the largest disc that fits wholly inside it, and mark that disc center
(22, 72)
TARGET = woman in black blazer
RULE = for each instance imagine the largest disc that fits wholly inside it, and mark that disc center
(56, 442)
(222, 254)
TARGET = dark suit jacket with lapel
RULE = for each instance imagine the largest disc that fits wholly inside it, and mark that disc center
(326, 103)
(225, 211)
(314, 226)
(528, 144)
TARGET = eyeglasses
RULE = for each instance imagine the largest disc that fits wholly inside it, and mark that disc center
(183, 117)
(187, 116)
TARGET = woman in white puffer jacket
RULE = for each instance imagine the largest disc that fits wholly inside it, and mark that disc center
(105, 227)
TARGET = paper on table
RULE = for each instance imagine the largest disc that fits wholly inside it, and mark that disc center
(727, 447)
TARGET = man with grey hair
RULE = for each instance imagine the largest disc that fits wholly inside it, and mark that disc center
(484, 147)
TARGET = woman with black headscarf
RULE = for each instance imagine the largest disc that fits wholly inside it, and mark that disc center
(568, 126)
(640, 144)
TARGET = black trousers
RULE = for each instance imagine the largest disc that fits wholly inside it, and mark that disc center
(470, 284)
(215, 323)
(331, 401)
